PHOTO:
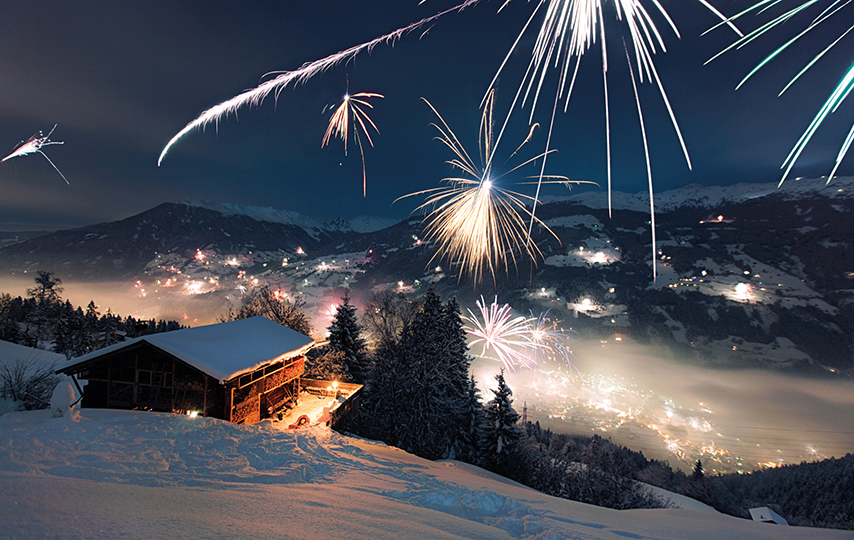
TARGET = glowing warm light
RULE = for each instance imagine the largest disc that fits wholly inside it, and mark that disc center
(300, 251)
(549, 342)
(34, 145)
(194, 287)
(742, 290)
(331, 310)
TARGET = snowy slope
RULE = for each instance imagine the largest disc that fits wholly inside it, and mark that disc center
(117, 474)
(11, 352)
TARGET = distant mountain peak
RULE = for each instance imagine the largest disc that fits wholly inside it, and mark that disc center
(695, 195)
(359, 224)
(258, 213)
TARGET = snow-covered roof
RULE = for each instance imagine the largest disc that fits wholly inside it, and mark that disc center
(223, 351)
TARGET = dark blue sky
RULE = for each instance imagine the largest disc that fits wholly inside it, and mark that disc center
(121, 78)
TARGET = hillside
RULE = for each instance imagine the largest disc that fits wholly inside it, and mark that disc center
(748, 276)
(118, 474)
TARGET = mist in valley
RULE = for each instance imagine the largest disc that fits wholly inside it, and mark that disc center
(638, 395)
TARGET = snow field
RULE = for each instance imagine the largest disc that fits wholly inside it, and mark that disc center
(123, 474)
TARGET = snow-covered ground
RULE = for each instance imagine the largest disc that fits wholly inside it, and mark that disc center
(122, 474)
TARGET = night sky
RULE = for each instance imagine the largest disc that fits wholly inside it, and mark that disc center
(121, 78)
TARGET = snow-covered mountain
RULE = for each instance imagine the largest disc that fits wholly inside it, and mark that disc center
(125, 474)
(697, 196)
(747, 275)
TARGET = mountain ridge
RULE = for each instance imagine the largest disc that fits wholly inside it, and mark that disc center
(757, 278)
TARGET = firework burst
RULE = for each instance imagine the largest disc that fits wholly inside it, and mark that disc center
(34, 145)
(351, 111)
(282, 79)
(840, 92)
(509, 337)
(473, 221)
(517, 341)
(569, 30)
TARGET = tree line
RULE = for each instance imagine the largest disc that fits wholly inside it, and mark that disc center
(43, 320)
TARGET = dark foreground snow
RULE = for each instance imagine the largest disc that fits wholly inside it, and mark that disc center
(116, 474)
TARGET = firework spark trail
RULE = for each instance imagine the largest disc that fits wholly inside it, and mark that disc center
(549, 341)
(506, 335)
(569, 30)
(34, 145)
(306, 72)
(839, 93)
(473, 221)
(339, 125)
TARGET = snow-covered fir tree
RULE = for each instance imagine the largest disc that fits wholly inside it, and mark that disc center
(454, 390)
(416, 397)
(500, 436)
(345, 335)
(386, 316)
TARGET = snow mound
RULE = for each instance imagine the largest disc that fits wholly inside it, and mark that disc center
(62, 401)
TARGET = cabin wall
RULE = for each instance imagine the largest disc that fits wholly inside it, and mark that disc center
(146, 378)
(258, 395)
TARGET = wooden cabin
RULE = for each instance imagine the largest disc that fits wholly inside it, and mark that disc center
(242, 371)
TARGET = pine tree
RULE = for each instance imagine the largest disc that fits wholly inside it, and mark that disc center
(698, 471)
(455, 389)
(501, 436)
(384, 394)
(472, 423)
(345, 335)
(417, 395)
(47, 305)
(421, 407)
